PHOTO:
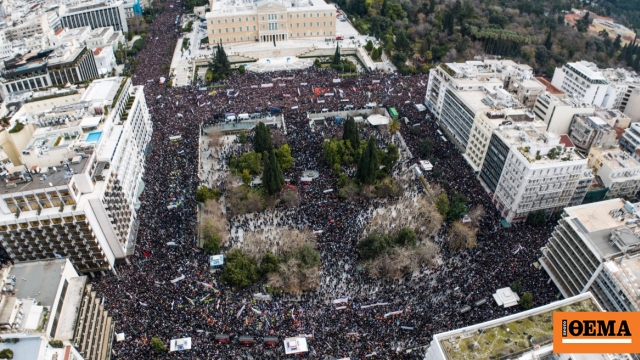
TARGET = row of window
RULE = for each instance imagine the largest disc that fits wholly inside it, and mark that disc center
(248, 38)
(271, 26)
(270, 17)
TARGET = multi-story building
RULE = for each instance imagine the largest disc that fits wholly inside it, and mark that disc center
(583, 80)
(631, 103)
(527, 170)
(487, 340)
(70, 37)
(269, 21)
(47, 68)
(486, 122)
(105, 60)
(75, 190)
(95, 14)
(557, 111)
(630, 140)
(606, 88)
(105, 37)
(594, 248)
(617, 169)
(591, 131)
(48, 300)
(28, 27)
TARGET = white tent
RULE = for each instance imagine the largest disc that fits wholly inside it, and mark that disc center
(506, 297)
(295, 345)
(180, 344)
(120, 337)
(377, 120)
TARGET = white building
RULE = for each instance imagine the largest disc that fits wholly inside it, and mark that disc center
(47, 300)
(486, 122)
(95, 14)
(105, 60)
(527, 170)
(585, 81)
(594, 248)
(605, 88)
(487, 340)
(70, 37)
(105, 37)
(617, 169)
(630, 140)
(557, 111)
(75, 191)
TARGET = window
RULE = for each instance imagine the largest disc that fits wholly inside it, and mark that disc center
(225, 21)
(330, 14)
(290, 25)
(246, 19)
(227, 29)
(234, 39)
(247, 28)
(330, 23)
(317, 24)
(233, 20)
(310, 15)
(290, 16)
(298, 25)
(324, 23)
(254, 28)
(233, 29)
(298, 15)
(239, 19)
(213, 31)
(304, 24)
(219, 31)
(304, 15)
(240, 38)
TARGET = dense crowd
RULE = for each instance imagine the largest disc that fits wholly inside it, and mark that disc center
(145, 303)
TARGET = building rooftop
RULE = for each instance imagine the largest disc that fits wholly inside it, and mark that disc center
(617, 158)
(515, 334)
(237, 7)
(550, 88)
(536, 146)
(99, 32)
(91, 5)
(38, 279)
(588, 69)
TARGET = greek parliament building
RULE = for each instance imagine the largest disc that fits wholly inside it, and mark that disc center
(71, 176)
(233, 21)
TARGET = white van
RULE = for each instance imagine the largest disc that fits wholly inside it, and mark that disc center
(243, 116)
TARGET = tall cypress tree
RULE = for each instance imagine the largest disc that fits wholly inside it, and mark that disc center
(351, 134)
(262, 138)
(368, 163)
(272, 177)
(336, 56)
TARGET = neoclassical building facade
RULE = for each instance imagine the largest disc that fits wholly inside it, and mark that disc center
(269, 21)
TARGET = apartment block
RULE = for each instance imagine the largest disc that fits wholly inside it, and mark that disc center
(96, 14)
(48, 300)
(231, 22)
(75, 191)
(617, 169)
(630, 140)
(605, 88)
(486, 122)
(594, 248)
(105, 37)
(591, 131)
(557, 111)
(527, 170)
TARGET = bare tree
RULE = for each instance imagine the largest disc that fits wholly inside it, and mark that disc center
(277, 241)
(213, 220)
(292, 279)
(461, 236)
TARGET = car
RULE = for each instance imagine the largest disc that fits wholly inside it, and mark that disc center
(352, 37)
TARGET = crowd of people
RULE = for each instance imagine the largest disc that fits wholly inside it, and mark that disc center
(145, 303)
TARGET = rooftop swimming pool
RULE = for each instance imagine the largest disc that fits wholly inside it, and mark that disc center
(94, 137)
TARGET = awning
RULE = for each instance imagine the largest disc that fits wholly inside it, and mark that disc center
(93, 121)
(505, 223)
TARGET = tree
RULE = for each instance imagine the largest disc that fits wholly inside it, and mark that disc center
(516, 286)
(351, 133)
(336, 55)
(242, 137)
(212, 245)
(394, 127)
(358, 7)
(242, 69)
(458, 207)
(368, 163)
(307, 256)
(203, 193)
(402, 42)
(526, 301)
(390, 157)
(369, 46)
(461, 236)
(158, 345)
(442, 204)
(425, 147)
(536, 218)
(246, 176)
(548, 42)
(269, 263)
(272, 177)
(239, 270)
(284, 157)
(262, 139)
(406, 237)
(373, 245)
(220, 65)
(617, 42)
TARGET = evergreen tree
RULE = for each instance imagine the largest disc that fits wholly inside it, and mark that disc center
(262, 138)
(272, 177)
(351, 133)
(548, 42)
(617, 42)
(384, 8)
(368, 163)
(336, 56)
(220, 64)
